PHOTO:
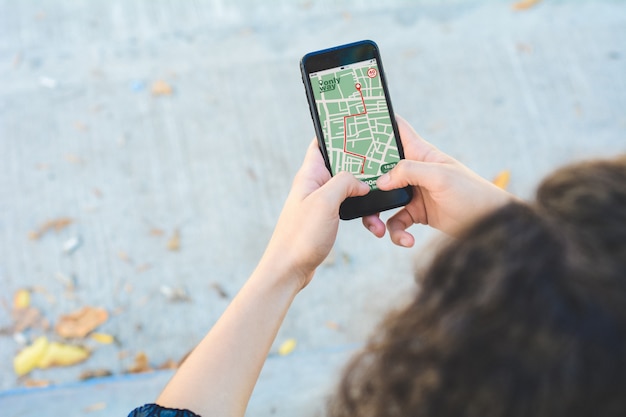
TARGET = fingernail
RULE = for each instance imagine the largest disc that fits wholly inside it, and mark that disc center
(383, 179)
(405, 241)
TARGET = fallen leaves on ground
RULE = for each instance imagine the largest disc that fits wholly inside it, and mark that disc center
(168, 364)
(44, 354)
(161, 88)
(21, 299)
(57, 225)
(24, 315)
(173, 243)
(80, 323)
(29, 357)
(502, 179)
(28, 318)
(37, 383)
(287, 347)
(61, 354)
(524, 4)
(141, 364)
(103, 338)
(94, 373)
(95, 407)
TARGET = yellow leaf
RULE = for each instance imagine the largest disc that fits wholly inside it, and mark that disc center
(161, 88)
(104, 338)
(502, 179)
(174, 243)
(29, 357)
(58, 354)
(21, 299)
(524, 4)
(287, 347)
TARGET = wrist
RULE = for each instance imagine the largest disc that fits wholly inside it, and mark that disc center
(281, 273)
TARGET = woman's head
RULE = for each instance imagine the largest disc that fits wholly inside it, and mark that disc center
(524, 314)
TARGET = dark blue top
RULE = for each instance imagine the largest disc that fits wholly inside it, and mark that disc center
(154, 410)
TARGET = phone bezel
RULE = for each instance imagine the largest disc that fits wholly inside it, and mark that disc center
(375, 201)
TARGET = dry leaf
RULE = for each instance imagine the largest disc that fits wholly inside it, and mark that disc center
(333, 325)
(79, 323)
(168, 364)
(104, 338)
(59, 354)
(95, 407)
(29, 357)
(141, 364)
(37, 383)
(29, 317)
(156, 232)
(94, 373)
(174, 243)
(502, 179)
(124, 256)
(161, 88)
(21, 299)
(524, 4)
(287, 347)
(56, 224)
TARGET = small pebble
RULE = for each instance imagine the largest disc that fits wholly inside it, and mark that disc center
(71, 245)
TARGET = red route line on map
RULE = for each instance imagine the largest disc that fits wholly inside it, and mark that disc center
(345, 131)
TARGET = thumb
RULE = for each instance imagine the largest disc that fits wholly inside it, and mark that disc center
(424, 174)
(342, 186)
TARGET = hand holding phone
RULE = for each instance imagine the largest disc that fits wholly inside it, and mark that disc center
(354, 121)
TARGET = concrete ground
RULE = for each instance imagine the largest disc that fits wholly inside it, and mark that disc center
(210, 162)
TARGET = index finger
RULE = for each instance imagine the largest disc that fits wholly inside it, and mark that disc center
(397, 225)
(313, 172)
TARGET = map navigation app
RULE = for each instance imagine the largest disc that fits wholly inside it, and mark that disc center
(355, 120)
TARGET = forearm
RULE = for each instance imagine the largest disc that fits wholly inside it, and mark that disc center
(218, 377)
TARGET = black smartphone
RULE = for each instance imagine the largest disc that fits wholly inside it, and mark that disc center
(354, 121)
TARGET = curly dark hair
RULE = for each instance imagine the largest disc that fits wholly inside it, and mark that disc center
(523, 315)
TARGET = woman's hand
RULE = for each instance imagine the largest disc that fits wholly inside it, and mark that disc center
(307, 227)
(447, 195)
(218, 377)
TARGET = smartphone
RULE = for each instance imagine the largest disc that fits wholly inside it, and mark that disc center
(354, 121)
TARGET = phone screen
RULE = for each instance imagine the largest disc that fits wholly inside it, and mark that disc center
(355, 121)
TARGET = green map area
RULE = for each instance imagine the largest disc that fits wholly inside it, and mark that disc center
(355, 120)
